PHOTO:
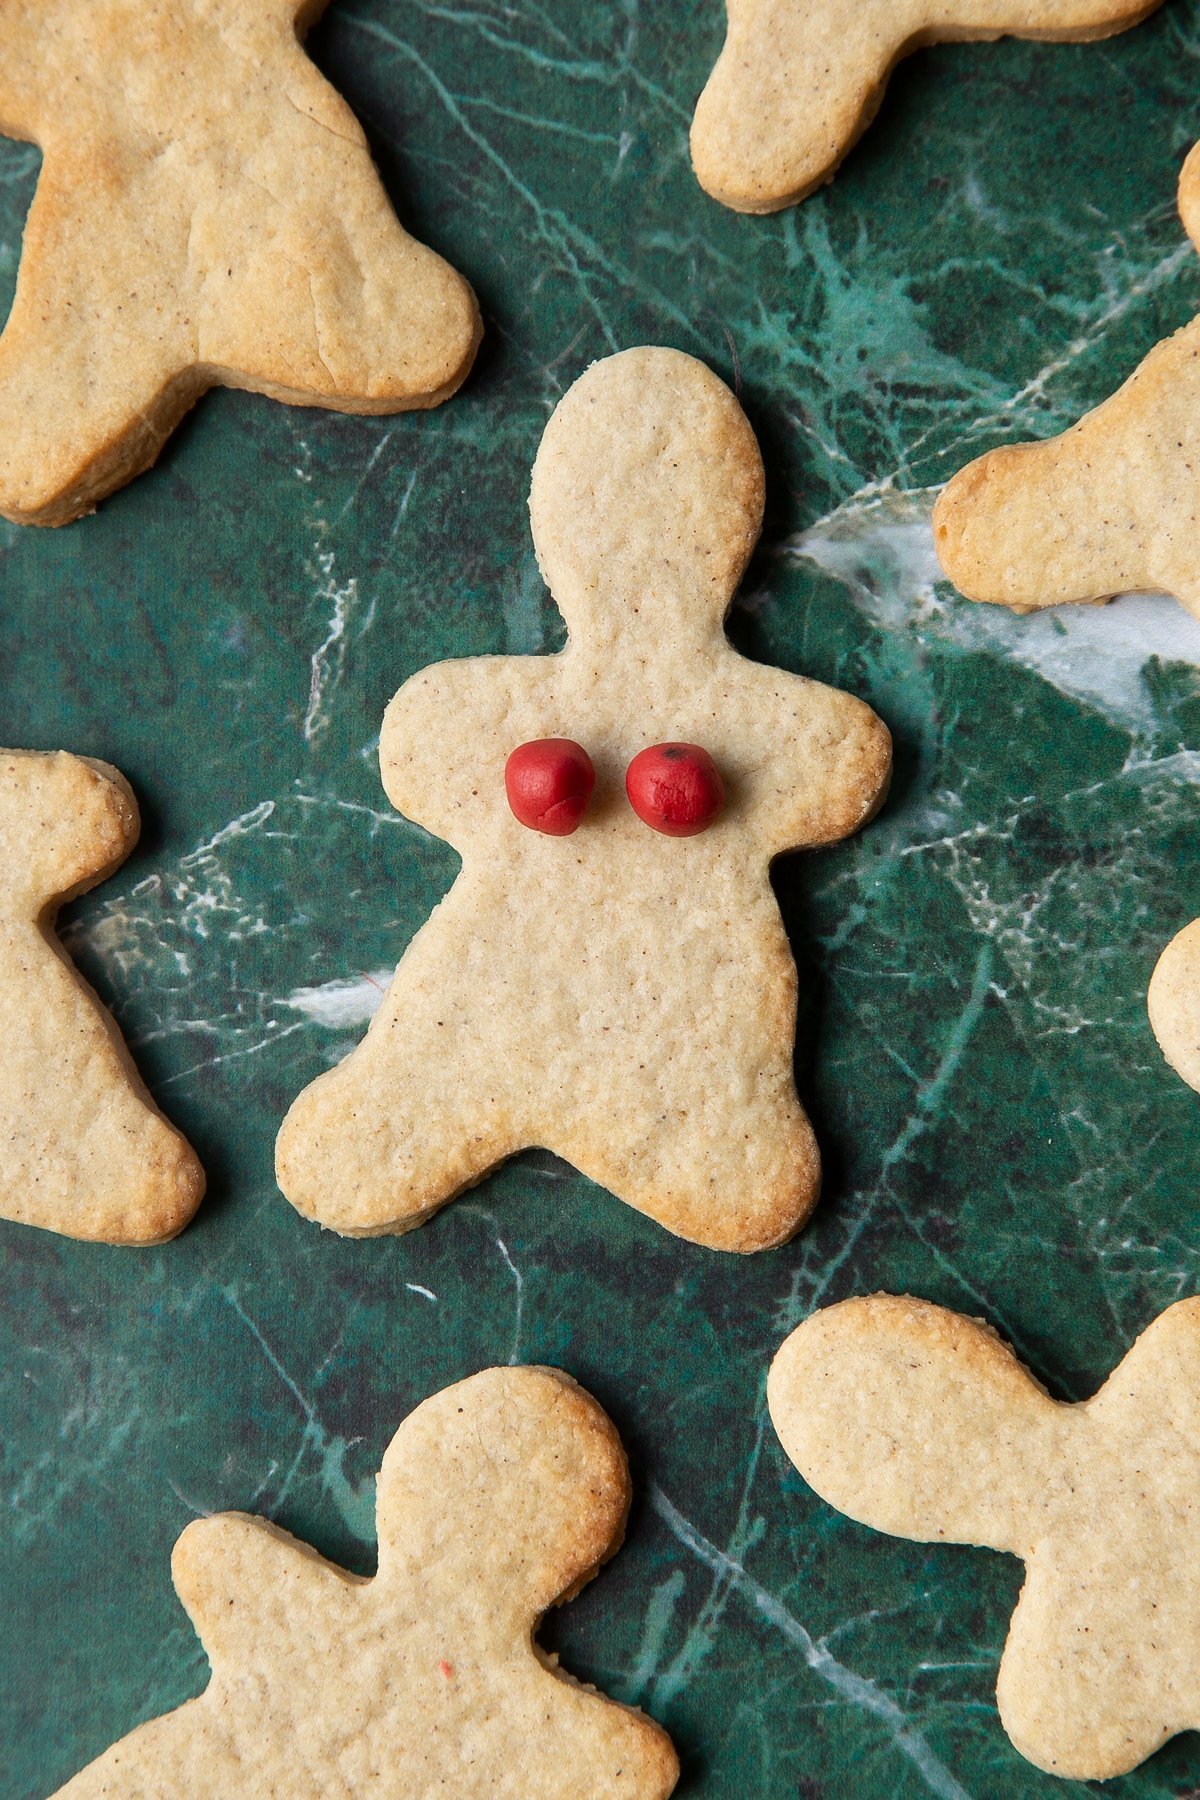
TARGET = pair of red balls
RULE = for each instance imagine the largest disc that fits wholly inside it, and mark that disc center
(673, 788)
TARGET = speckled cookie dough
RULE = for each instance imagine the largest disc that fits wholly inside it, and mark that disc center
(620, 995)
(1109, 506)
(921, 1423)
(497, 1498)
(799, 81)
(83, 1150)
(208, 213)
(1173, 1002)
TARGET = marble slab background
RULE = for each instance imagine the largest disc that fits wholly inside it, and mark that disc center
(1000, 1133)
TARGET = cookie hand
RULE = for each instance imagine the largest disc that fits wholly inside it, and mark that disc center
(244, 1583)
(822, 761)
(65, 823)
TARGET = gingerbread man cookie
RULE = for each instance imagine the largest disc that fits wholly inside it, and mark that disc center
(1107, 507)
(924, 1424)
(208, 213)
(497, 1498)
(83, 1149)
(799, 81)
(622, 993)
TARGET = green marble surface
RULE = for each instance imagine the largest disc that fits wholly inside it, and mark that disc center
(999, 1131)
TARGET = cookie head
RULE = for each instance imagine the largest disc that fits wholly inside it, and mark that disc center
(1173, 1002)
(647, 496)
(538, 1472)
(1189, 194)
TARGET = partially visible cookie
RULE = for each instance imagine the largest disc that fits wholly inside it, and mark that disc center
(621, 992)
(921, 1423)
(83, 1149)
(1108, 507)
(799, 81)
(498, 1498)
(1173, 1002)
(207, 214)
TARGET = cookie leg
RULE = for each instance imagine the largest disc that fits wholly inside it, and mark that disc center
(401, 1126)
(83, 1149)
(739, 1177)
(1107, 508)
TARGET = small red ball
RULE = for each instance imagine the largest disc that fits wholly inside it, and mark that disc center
(675, 788)
(549, 783)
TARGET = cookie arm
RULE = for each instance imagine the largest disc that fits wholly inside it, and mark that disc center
(819, 761)
(66, 822)
(1160, 1376)
(1100, 1664)
(243, 1581)
(1107, 507)
(97, 365)
(795, 86)
(915, 1421)
(613, 1749)
(449, 732)
(24, 41)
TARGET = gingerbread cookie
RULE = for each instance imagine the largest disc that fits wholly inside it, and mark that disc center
(924, 1424)
(609, 976)
(1107, 507)
(799, 81)
(83, 1149)
(1173, 1002)
(208, 213)
(497, 1498)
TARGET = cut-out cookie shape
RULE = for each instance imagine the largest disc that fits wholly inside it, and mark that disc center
(918, 1422)
(83, 1150)
(1108, 507)
(1173, 1002)
(799, 81)
(208, 213)
(620, 996)
(497, 1498)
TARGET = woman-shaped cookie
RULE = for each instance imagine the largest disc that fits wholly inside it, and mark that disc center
(619, 995)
